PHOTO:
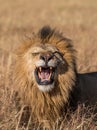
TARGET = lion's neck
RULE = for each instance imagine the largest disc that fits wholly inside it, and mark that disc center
(47, 106)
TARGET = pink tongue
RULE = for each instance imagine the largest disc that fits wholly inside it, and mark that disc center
(44, 75)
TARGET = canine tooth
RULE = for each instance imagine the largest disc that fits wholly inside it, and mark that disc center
(49, 76)
(50, 68)
(40, 69)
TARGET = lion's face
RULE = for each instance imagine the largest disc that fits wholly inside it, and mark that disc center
(43, 65)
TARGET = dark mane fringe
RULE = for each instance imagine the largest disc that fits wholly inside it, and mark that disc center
(46, 32)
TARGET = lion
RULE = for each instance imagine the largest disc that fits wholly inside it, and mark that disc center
(46, 77)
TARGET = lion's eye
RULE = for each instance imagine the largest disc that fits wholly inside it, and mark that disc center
(57, 54)
(35, 54)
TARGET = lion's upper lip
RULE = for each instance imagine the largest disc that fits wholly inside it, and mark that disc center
(44, 74)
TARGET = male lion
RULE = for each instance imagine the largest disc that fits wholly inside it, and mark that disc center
(46, 77)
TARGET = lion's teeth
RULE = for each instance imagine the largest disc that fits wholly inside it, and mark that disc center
(40, 69)
(50, 68)
(49, 76)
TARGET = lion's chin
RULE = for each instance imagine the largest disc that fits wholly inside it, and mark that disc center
(46, 88)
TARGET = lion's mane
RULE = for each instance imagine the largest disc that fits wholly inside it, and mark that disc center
(47, 105)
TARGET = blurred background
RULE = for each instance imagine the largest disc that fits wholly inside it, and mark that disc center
(77, 19)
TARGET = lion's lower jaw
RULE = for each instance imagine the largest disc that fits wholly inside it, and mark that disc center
(46, 88)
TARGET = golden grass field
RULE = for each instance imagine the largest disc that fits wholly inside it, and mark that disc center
(77, 19)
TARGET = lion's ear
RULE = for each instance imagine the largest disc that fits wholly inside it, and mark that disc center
(45, 32)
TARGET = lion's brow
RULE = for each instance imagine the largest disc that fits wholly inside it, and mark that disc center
(58, 53)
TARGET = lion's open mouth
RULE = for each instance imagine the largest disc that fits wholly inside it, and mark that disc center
(44, 75)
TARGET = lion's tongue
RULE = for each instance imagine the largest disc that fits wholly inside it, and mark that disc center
(44, 75)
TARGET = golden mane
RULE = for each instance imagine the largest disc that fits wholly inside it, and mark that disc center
(46, 105)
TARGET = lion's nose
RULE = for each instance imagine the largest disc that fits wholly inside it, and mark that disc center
(46, 57)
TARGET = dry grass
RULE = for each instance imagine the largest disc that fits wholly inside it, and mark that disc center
(78, 21)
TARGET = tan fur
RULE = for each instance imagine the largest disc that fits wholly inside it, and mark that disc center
(45, 105)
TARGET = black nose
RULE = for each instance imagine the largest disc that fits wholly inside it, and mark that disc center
(46, 57)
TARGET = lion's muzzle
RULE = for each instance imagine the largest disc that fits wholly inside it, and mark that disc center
(46, 57)
(45, 69)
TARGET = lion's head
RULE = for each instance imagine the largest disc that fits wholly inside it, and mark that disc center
(45, 73)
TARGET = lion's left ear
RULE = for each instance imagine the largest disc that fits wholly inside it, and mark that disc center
(45, 32)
